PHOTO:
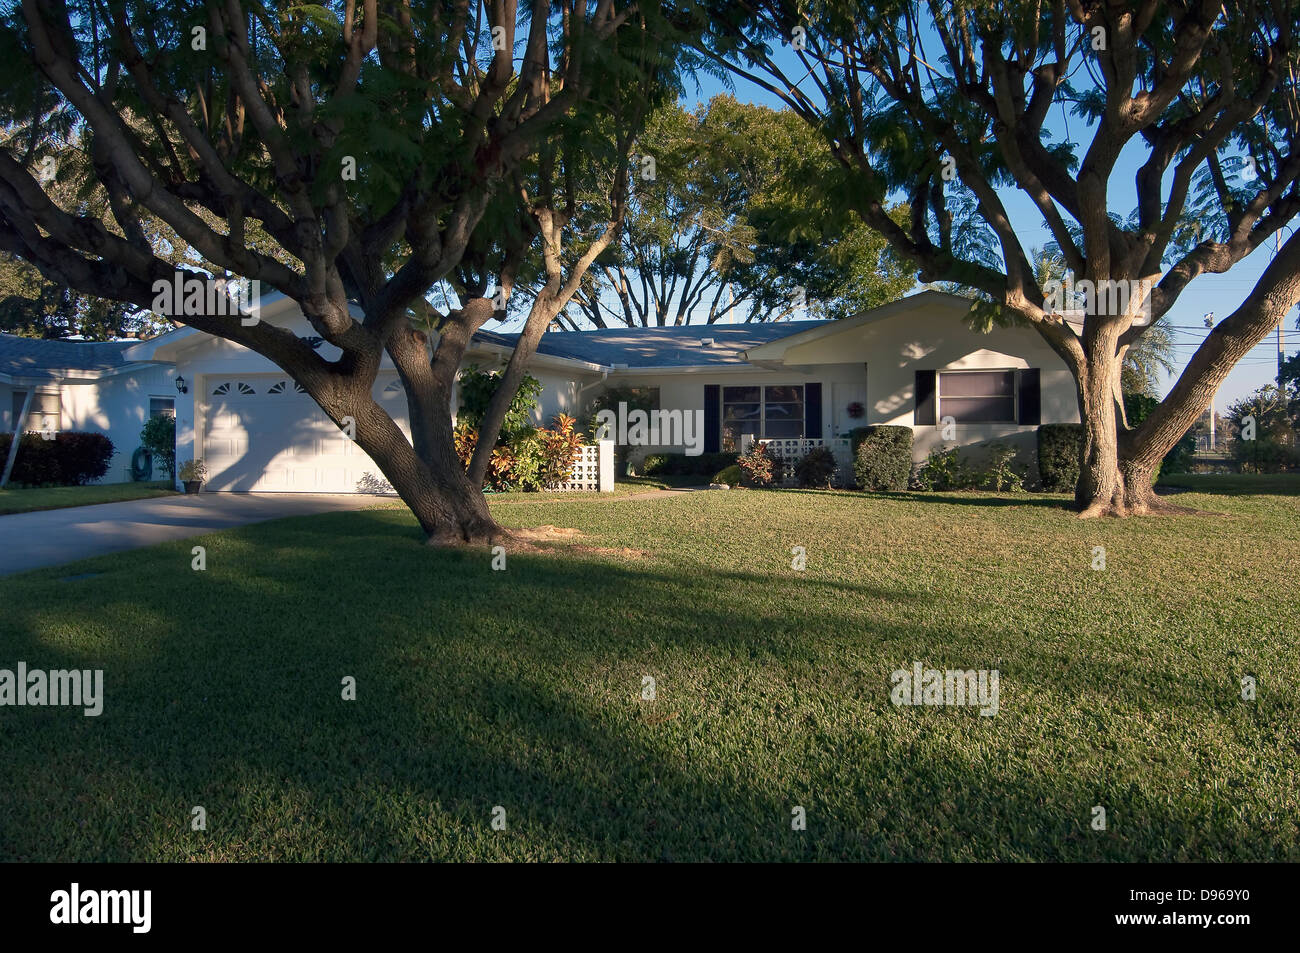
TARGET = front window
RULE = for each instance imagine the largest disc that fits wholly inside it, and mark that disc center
(978, 397)
(162, 407)
(44, 415)
(765, 412)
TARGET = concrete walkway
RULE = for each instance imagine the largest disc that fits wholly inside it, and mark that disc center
(51, 537)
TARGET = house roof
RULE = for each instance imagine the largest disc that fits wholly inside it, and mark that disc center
(43, 359)
(659, 347)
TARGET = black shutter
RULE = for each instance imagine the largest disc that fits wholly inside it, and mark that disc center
(926, 405)
(1030, 398)
(712, 418)
(812, 411)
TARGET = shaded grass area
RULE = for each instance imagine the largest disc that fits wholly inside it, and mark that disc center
(1236, 484)
(56, 497)
(522, 688)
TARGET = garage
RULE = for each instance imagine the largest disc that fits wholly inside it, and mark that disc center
(262, 433)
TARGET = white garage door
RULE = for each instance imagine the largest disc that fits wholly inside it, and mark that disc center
(263, 433)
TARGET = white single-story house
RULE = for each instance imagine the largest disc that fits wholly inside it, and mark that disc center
(912, 362)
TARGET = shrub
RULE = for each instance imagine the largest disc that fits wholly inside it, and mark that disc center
(72, 458)
(533, 460)
(882, 457)
(656, 464)
(944, 469)
(1002, 476)
(193, 470)
(816, 468)
(1264, 455)
(1059, 447)
(83, 457)
(729, 475)
(758, 467)
(159, 437)
(680, 464)
(476, 388)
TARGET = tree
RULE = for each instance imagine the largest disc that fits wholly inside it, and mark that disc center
(729, 218)
(370, 142)
(1266, 429)
(940, 101)
(1144, 360)
(158, 436)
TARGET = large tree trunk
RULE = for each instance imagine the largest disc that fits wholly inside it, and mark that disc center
(426, 472)
(448, 507)
(1100, 490)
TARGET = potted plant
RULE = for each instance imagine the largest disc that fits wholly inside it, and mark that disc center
(192, 473)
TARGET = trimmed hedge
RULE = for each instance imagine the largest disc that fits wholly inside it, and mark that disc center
(72, 458)
(882, 457)
(679, 464)
(1059, 448)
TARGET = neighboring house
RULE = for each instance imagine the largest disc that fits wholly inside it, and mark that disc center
(913, 362)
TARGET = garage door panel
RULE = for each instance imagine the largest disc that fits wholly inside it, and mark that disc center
(263, 435)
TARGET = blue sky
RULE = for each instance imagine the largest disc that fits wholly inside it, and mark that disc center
(1217, 294)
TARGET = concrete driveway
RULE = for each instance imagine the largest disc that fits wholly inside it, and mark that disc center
(51, 537)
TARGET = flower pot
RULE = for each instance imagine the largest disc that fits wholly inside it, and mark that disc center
(192, 486)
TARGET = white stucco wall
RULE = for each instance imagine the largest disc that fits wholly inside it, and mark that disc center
(894, 349)
(118, 405)
(874, 363)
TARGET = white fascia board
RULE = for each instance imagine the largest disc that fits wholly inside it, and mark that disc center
(548, 360)
(687, 369)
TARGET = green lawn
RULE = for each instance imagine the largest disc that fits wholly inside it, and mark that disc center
(522, 688)
(1249, 484)
(57, 497)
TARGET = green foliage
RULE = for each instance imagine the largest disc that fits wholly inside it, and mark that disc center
(882, 457)
(1060, 447)
(476, 389)
(731, 475)
(1137, 408)
(945, 469)
(534, 459)
(192, 470)
(72, 458)
(740, 199)
(1001, 473)
(1275, 412)
(817, 468)
(680, 464)
(158, 436)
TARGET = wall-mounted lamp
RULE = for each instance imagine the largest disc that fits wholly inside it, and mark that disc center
(180, 385)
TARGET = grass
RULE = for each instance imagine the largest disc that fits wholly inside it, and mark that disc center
(1246, 484)
(522, 688)
(57, 497)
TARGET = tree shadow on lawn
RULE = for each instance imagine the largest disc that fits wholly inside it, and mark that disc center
(478, 689)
